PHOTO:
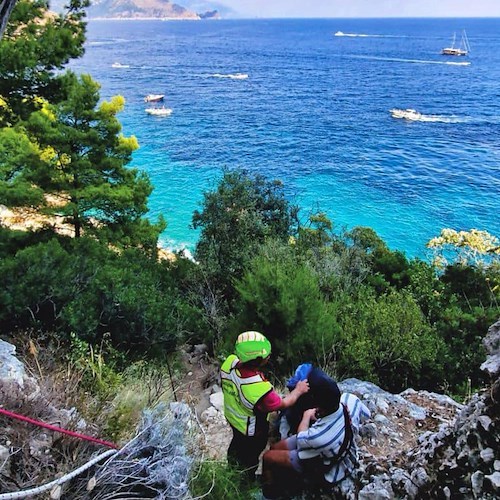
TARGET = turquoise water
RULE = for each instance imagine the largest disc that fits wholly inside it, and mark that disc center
(288, 99)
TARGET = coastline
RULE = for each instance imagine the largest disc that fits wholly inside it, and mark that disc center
(153, 18)
(137, 18)
(30, 219)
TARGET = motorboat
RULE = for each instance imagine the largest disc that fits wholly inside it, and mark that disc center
(154, 98)
(406, 114)
(120, 65)
(159, 111)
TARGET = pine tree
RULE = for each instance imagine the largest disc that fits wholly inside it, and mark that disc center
(35, 46)
(55, 137)
(85, 165)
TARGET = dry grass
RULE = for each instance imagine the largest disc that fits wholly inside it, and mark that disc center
(58, 393)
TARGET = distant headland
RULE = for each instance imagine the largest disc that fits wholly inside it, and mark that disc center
(143, 9)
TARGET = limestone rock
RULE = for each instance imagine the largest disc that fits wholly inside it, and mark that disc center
(10, 367)
(217, 400)
(494, 479)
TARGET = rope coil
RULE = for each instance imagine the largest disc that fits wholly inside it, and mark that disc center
(49, 486)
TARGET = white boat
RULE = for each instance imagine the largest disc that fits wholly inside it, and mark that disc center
(462, 50)
(119, 65)
(159, 111)
(154, 98)
(406, 114)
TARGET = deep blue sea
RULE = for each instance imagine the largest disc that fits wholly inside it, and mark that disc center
(312, 109)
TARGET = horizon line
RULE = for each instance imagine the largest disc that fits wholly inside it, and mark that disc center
(257, 18)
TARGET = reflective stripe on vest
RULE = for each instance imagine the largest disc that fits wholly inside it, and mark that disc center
(241, 395)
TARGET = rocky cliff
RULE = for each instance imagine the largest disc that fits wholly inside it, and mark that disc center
(461, 459)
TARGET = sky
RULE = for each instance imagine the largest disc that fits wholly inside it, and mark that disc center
(363, 8)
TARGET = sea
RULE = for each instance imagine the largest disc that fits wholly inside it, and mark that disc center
(307, 102)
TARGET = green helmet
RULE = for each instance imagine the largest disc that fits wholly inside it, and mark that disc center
(252, 345)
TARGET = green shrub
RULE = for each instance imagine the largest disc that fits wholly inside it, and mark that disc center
(97, 366)
(243, 211)
(386, 339)
(280, 296)
(86, 288)
(216, 480)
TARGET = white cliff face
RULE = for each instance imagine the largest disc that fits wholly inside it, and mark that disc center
(140, 9)
(492, 345)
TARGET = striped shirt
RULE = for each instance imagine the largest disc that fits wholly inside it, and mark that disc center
(325, 437)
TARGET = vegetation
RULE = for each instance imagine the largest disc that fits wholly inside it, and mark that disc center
(243, 211)
(217, 480)
(34, 49)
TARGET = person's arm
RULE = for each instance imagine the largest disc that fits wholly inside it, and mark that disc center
(272, 401)
(290, 399)
(308, 417)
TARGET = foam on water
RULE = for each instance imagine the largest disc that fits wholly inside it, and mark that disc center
(232, 76)
(413, 61)
(440, 119)
(364, 35)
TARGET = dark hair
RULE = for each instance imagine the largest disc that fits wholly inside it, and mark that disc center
(323, 393)
(254, 363)
(324, 390)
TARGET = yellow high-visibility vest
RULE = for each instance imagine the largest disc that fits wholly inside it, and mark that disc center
(241, 395)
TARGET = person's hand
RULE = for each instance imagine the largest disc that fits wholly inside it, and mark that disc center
(311, 414)
(302, 387)
(308, 418)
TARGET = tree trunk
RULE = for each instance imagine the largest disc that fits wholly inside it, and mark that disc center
(6, 7)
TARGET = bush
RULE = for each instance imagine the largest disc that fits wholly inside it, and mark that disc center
(280, 296)
(462, 302)
(387, 340)
(236, 218)
(216, 480)
(85, 288)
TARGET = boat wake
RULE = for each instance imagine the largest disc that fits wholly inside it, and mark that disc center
(108, 41)
(414, 116)
(439, 119)
(232, 76)
(413, 61)
(119, 65)
(365, 35)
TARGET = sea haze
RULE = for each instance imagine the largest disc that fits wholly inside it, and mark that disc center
(290, 100)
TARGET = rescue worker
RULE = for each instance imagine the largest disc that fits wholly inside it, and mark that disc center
(249, 399)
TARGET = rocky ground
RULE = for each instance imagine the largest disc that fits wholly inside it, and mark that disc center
(397, 420)
(416, 444)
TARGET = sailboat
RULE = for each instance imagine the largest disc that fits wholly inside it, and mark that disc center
(462, 50)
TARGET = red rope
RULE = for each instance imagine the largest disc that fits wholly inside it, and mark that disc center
(57, 429)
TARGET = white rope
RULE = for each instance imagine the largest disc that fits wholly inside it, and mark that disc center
(46, 487)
